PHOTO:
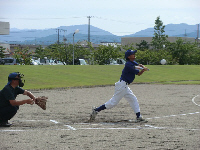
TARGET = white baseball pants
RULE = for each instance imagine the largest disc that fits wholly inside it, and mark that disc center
(122, 90)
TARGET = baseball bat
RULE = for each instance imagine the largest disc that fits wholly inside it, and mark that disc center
(140, 68)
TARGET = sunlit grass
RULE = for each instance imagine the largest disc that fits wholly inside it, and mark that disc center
(60, 76)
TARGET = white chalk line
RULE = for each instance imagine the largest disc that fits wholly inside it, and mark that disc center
(194, 101)
(173, 115)
(54, 121)
(168, 128)
(70, 127)
(31, 130)
(149, 126)
(146, 127)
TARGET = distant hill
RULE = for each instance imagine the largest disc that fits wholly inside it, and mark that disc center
(49, 36)
(177, 30)
(97, 35)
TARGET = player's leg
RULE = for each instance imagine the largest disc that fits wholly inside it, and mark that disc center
(120, 89)
(132, 99)
(118, 95)
(6, 114)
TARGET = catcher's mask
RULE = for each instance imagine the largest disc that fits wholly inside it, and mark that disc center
(13, 76)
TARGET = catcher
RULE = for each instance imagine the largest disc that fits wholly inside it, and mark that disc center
(8, 103)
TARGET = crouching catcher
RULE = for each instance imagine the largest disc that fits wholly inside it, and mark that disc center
(8, 103)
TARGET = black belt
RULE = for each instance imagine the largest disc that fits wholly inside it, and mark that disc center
(125, 81)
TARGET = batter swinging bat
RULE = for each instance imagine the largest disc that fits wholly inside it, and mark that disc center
(140, 68)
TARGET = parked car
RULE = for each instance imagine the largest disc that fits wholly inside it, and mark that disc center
(111, 62)
(55, 62)
(82, 62)
(78, 62)
(38, 62)
(11, 61)
(117, 61)
(35, 62)
(44, 61)
(121, 61)
(2, 62)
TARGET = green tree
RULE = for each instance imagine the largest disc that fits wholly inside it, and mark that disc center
(143, 45)
(40, 52)
(23, 55)
(184, 52)
(144, 57)
(149, 57)
(103, 54)
(2, 55)
(195, 56)
(90, 54)
(159, 38)
(64, 52)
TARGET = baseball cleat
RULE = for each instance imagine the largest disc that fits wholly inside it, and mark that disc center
(140, 119)
(93, 114)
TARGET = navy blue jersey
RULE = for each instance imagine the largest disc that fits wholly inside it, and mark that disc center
(9, 93)
(129, 71)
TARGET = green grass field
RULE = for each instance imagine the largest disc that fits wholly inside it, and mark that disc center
(60, 76)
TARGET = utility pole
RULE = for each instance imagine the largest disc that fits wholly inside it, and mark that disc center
(89, 34)
(58, 35)
(89, 28)
(59, 30)
(185, 33)
(198, 34)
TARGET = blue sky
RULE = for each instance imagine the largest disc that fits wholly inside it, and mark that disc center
(120, 17)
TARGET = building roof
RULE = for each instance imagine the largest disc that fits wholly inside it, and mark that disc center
(134, 40)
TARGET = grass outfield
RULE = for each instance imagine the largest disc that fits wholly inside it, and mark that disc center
(60, 76)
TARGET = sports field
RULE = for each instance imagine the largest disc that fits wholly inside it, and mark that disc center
(64, 76)
(172, 111)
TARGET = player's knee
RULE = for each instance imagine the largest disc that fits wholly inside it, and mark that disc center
(110, 105)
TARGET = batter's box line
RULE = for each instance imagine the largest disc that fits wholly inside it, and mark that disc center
(68, 126)
(154, 127)
(53, 121)
(174, 115)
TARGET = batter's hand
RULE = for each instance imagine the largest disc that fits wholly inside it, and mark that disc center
(145, 69)
(141, 65)
(141, 68)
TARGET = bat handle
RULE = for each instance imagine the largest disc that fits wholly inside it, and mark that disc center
(140, 68)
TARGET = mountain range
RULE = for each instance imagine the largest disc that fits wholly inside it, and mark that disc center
(97, 35)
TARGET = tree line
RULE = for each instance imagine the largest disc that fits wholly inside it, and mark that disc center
(180, 52)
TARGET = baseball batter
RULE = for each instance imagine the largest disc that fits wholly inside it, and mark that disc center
(122, 89)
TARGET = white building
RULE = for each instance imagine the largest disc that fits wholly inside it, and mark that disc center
(7, 48)
(115, 44)
(5, 30)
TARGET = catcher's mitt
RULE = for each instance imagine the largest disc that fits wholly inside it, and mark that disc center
(41, 102)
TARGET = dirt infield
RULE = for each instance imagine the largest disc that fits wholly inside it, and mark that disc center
(172, 111)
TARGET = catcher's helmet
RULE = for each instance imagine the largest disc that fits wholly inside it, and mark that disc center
(12, 76)
(129, 52)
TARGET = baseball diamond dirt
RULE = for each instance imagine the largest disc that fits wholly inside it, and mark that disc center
(172, 111)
